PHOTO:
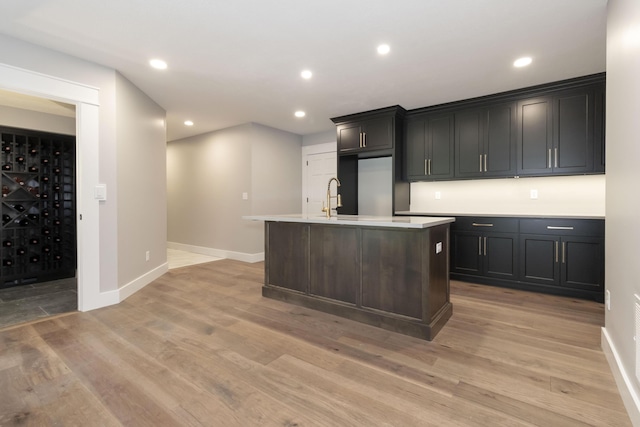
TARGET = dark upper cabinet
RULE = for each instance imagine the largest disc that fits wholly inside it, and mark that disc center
(556, 133)
(599, 129)
(429, 147)
(485, 141)
(366, 135)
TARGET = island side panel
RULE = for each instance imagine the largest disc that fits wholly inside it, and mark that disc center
(287, 255)
(392, 271)
(436, 302)
(334, 262)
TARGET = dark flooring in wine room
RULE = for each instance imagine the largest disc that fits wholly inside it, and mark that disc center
(30, 302)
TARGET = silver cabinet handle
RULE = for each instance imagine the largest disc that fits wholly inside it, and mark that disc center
(429, 166)
(425, 167)
(485, 162)
(549, 160)
(555, 157)
(360, 142)
(556, 251)
(479, 245)
(364, 140)
(563, 245)
(485, 246)
(480, 224)
(554, 227)
(480, 162)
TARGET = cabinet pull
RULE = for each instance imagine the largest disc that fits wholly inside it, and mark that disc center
(425, 167)
(554, 227)
(555, 157)
(556, 252)
(360, 142)
(549, 159)
(479, 245)
(485, 162)
(485, 246)
(429, 167)
(563, 252)
(480, 224)
(364, 140)
(480, 162)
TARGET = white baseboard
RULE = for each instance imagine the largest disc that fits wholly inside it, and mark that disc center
(220, 253)
(627, 391)
(135, 285)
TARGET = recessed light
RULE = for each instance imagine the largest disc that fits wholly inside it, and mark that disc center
(158, 64)
(188, 123)
(300, 114)
(383, 49)
(306, 74)
(522, 62)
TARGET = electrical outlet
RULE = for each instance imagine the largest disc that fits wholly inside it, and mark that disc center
(534, 194)
(245, 196)
(438, 195)
(147, 255)
(607, 299)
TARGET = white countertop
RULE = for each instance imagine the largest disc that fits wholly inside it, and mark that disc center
(360, 220)
(494, 215)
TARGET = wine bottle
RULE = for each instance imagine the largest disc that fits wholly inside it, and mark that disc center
(33, 217)
(20, 159)
(6, 167)
(34, 240)
(33, 151)
(45, 231)
(7, 262)
(5, 190)
(7, 243)
(18, 207)
(57, 239)
(21, 251)
(24, 222)
(6, 218)
(6, 148)
(45, 213)
(57, 257)
(34, 258)
(44, 161)
(32, 168)
(46, 249)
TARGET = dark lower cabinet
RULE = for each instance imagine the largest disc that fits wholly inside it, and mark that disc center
(560, 256)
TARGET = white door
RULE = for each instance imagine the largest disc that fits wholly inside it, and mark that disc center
(319, 169)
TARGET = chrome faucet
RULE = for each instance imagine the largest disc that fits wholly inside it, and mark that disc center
(327, 209)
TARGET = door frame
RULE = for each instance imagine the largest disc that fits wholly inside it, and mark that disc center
(307, 150)
(86, 100)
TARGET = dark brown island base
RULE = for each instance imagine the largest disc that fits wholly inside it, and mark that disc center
(389, 272)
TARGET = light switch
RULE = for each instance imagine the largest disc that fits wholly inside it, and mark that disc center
(100, 192)
(245, 196)
(438, 247)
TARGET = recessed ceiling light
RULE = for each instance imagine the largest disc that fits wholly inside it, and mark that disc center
(306, 74)
(522, 62)
(158, 64)
(188, 123)
(300, 114)
(383, 49)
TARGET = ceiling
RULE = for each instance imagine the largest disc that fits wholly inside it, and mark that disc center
(238, 61)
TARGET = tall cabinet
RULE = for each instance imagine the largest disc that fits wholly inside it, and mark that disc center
(38, 207)
(373, 134)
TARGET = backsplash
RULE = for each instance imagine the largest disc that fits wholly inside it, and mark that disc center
(557, 195)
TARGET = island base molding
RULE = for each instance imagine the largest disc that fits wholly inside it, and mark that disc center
(405, 326)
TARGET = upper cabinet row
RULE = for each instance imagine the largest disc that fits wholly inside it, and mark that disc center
(556, 130)
(552, 129)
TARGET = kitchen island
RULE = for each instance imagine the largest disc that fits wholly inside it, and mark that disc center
(390, 272)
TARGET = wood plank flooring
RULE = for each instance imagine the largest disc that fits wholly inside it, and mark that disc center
(201, 347)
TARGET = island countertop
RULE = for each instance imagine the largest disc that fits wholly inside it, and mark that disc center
(358, 220)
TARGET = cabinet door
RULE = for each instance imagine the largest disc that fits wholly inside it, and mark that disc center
(415, 156)
(500, 144)
(599, 129)
(539, 259)
(500, 259)
(582, 261)
(349, 136)
(378, 133)
(573, 132)
(469, 143)
(440, 133)
(466, 253)
(535, 135)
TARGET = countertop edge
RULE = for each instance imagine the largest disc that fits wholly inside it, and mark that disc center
(412, 222)
(494, 215)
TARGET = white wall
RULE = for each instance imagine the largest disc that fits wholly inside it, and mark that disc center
(35, 120)
(320, 137)
(142, 190)
(623, 195)
(563, 195)
(207, 176)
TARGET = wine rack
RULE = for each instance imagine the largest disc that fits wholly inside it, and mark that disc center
(38, 239)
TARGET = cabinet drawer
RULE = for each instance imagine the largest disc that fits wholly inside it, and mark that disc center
(563, 227)
(482, 223)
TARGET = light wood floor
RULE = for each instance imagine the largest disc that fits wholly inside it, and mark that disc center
(201, 347)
